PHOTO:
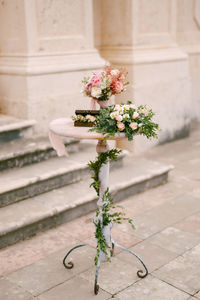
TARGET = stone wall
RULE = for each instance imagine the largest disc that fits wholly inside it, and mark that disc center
(52, 44)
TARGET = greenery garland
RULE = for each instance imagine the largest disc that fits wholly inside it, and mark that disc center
(107, 216)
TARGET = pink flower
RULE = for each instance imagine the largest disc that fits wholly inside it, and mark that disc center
(96, 78)
(120, 125)
(119, 118)
(133, 125)
(135, 115)
(118, 87)
(144, 111)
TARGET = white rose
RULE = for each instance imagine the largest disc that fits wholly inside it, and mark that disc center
(114, 72)
(114, 114)
(126, 107)
(103, 85)
(95, 92)
(117, 107)
(126, 116)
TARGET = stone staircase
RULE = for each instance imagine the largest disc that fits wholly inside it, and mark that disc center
(38, 190)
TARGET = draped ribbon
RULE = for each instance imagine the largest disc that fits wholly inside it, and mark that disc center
(57, 144)
(93, 104)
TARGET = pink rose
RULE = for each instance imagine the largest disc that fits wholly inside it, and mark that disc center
(119, 118)
(120, 125)
(133, 125)
(118, 87)
(135, 115)
(144, 111)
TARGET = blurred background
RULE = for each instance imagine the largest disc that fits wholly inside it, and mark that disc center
(46, 47)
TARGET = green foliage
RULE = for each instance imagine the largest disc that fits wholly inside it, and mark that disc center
(96, 165)
(108, 126)
(108, 213)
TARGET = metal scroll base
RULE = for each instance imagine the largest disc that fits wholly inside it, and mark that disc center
(106, 230)
(70, 264)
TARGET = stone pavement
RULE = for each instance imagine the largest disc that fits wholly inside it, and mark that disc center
(167, 237)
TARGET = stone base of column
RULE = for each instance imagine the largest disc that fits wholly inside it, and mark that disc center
(44, 87)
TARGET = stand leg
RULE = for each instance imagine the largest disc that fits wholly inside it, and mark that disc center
(140, 273)
(70, 264)
(96, 286)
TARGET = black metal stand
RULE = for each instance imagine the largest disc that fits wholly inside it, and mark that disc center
(70, 264)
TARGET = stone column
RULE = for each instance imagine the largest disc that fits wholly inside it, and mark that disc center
(188, 38)
(141, 35)
(45, 51)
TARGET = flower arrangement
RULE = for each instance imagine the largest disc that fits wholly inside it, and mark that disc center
(84, 119)
(105, 83)
(125, 118)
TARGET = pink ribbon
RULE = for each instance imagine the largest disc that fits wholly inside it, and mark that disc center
(93, 104)
(57, 144)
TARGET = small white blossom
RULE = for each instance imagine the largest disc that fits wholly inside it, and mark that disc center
(117, 107)
(96, 92)
(126, 116)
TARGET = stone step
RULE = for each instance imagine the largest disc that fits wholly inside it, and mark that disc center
(24, 219)
(29, 181)
(12, 128)
(26, 151)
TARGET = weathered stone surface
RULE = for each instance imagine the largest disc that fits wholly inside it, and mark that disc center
(64, 204)
(113, 276)
(175, 240)
(26, 151)
(183, 272)
(12, 128)
(76, 288)
(164, 215)
(49, 272)
(152, 289)
(11, 291)
(190, 224)
(152, 255)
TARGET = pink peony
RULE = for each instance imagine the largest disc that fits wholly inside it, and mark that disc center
(133, 125)
(120, 125)
(96, 78)
(118, 87)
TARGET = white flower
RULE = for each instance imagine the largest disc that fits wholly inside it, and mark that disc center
(114, 72)
(96, 92)
(121, 110)
(126, 106)
(117, 107)
(126, 116)
(114, 114)
(103, 85)
(133, 106)
(135, 115)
